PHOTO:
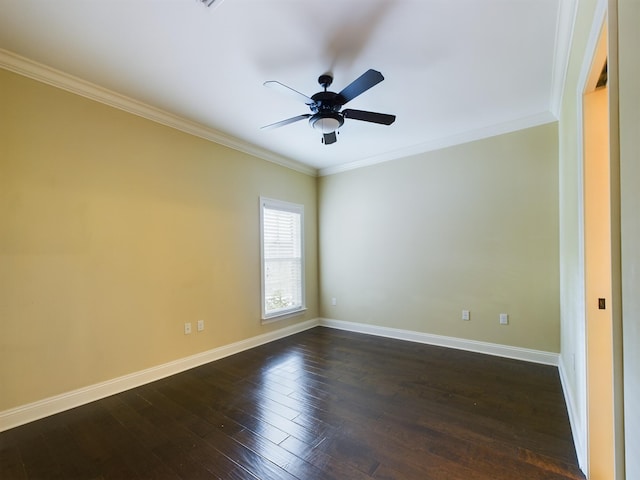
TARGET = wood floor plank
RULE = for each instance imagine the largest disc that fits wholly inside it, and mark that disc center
(334, 467)
(285, 459)
(320, 405)
(11, 464)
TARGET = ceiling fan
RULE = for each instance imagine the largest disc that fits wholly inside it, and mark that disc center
(326, 114)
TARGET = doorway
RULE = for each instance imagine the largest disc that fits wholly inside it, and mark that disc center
(599, 268)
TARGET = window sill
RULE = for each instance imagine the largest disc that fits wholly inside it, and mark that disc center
(281, 316)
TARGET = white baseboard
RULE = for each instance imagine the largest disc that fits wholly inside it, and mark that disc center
(575, 420)
(52, 405)
(528, 355)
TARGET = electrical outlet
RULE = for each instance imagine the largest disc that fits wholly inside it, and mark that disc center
(187, 328)
(200, 325)
(466, 315)
(334, 301)
(504, 319)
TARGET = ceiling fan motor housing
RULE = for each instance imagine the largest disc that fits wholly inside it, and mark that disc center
(326, 108)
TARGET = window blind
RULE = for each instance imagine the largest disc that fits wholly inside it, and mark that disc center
(282, 258)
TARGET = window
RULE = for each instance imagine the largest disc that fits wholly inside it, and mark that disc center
(282, 252)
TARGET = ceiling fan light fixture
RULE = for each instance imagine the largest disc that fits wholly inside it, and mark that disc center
(326, 122)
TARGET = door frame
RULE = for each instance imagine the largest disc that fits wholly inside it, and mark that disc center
(605, 17)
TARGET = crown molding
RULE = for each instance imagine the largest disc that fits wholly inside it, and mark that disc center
(538, 119)
(567, 10)
(56, 78)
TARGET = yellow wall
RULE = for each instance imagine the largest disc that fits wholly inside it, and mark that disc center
(409, 244)
(114, 231)
(111, 225)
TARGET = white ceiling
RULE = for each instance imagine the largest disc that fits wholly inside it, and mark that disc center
(454, 70)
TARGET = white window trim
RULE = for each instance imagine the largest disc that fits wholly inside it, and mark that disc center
(290, 207)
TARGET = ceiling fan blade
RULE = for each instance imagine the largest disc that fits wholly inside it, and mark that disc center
(288, 91)
(282, 123)
(360, 85)
(382, 118)
(329, 138)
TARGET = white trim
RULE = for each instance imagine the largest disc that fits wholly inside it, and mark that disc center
(50, 406)
(59, 403)
(284, 315)
(296, 209)
(56, 78)
(525, 354)
(567, 13)
(514, 125)
(581, 441)
(577, 425)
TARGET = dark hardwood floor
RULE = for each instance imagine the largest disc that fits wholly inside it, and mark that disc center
(322, 404)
